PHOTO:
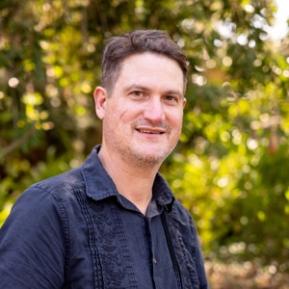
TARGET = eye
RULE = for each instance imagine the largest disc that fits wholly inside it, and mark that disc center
(171, 99)
(137, 94)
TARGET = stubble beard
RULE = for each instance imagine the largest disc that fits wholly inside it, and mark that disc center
(131, 155)
(146, 161)
(140, 159)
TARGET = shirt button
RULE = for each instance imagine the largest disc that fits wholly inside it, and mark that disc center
(154, 260)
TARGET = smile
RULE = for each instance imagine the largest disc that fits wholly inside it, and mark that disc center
(151, 130)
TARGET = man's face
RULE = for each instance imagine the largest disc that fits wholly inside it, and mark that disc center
(142, 118)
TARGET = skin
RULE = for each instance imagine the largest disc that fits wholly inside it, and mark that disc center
(142, 122)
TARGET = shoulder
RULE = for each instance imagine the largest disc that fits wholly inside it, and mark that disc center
(46, 199)
(60, 186)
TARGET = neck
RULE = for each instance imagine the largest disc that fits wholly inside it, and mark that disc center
(132, 181)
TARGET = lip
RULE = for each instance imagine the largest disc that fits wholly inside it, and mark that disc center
(150, 130)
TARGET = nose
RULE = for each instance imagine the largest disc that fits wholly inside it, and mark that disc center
(154, 111)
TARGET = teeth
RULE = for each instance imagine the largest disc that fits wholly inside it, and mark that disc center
(149, 131)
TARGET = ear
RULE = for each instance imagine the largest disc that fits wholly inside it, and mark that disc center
(100, 98)
(184, 102)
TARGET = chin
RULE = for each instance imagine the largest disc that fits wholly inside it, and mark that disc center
(151, 158)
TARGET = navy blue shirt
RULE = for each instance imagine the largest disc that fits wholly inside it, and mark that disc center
(76, 231)
(148, 246)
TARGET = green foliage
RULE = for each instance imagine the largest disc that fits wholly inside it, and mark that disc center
(230, 168)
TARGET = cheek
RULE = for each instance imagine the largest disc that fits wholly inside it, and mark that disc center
(176, 119)
(129, 113)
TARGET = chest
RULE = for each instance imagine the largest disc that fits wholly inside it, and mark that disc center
(113, 249)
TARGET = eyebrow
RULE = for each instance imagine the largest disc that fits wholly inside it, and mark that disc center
(146, 89)
(136, 86)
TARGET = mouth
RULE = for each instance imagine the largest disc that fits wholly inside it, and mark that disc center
(151, 130)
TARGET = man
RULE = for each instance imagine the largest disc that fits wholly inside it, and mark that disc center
(113, 222)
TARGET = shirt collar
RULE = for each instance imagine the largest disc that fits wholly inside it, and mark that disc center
(99, 184)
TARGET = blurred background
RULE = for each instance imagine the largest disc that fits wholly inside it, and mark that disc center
(231, 167)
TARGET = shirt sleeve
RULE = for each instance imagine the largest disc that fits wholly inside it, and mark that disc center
(32, 247)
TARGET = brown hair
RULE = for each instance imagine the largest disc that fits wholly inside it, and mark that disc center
(120, 47)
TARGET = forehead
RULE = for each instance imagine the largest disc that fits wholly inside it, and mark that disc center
(151, 69)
